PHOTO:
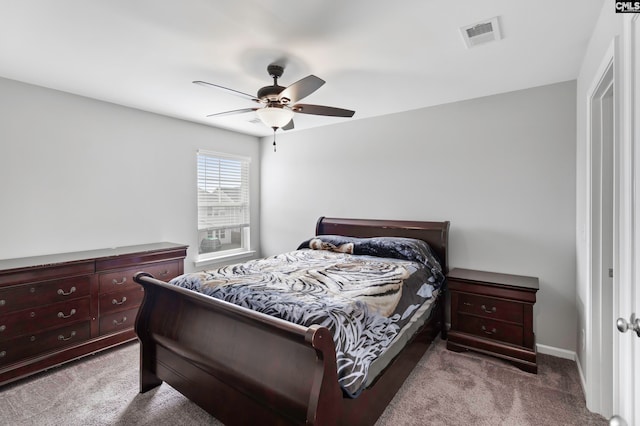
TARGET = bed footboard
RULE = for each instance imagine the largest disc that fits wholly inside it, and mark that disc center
(241, 366)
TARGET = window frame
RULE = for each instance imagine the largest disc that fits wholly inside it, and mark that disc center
(245, 245)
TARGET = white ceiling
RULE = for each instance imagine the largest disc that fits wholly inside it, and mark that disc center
(377, 57)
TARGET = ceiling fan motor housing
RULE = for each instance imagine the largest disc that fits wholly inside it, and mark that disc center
(270, 93)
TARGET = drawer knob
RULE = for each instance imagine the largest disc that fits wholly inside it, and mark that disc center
(61, 292)
(164, 273)
(488, 311)
(116, 282)
(116, 323)
(62, 315)
(2, 354)
(61, 337)
(3, 302)
(489, 332)
(115, 302)
(2, 328)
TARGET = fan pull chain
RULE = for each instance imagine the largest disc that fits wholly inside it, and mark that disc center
(274, 139)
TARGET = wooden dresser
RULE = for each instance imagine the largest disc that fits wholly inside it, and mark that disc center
(493, 313)
(57, 308)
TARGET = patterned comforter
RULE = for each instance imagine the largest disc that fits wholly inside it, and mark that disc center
(338, 282)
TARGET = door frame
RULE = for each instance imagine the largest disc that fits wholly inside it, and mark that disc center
(600, 386)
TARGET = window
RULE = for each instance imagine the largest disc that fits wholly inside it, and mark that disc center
(223, 205)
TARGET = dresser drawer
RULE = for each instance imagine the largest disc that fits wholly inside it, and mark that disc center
(25, 296)
(33, 344)
(120, 301)
(490, 329)
(118, 321)
(43, 318)
(123, 279)
(490, 307)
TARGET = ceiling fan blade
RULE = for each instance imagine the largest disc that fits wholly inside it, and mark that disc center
(322, 110)
(288, 126)
(301, 88)
(235, 111)
(235, 92)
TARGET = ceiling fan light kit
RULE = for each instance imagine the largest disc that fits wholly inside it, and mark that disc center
(275, 117)
(280, 102)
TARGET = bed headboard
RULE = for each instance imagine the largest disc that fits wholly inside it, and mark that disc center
(436, 234)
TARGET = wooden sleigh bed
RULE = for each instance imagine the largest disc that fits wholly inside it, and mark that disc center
(253, 368)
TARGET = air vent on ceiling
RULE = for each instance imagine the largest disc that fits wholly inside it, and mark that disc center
(481, 32)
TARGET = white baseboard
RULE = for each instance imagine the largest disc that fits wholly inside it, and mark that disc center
(557, 352)
(583, 382)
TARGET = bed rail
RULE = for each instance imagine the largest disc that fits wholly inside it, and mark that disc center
(285, 372)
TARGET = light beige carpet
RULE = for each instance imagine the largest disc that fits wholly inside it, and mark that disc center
(446, 388)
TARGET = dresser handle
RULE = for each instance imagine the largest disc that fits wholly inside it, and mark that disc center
(2, 328)
(62, 293)
(115, 302)
(61, 315)
(3, 302)
(116, 323)
(61, 337)
(489, 311)
(165, 272)
(493, 330)
(116, 282)
(2, 354)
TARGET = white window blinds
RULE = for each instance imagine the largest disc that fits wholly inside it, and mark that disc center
(223, 191)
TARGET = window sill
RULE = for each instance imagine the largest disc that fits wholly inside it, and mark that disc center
(224, 258)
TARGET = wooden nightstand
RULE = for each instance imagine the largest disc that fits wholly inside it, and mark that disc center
(493, 313)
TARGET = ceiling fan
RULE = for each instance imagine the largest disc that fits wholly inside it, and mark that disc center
(280, 103)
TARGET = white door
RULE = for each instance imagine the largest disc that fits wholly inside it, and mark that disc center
(626, 396)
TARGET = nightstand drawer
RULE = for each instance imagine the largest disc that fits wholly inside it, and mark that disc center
(490, 307)
(490, 329)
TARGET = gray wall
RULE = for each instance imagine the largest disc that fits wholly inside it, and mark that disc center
(500, 168)
(77, 174)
